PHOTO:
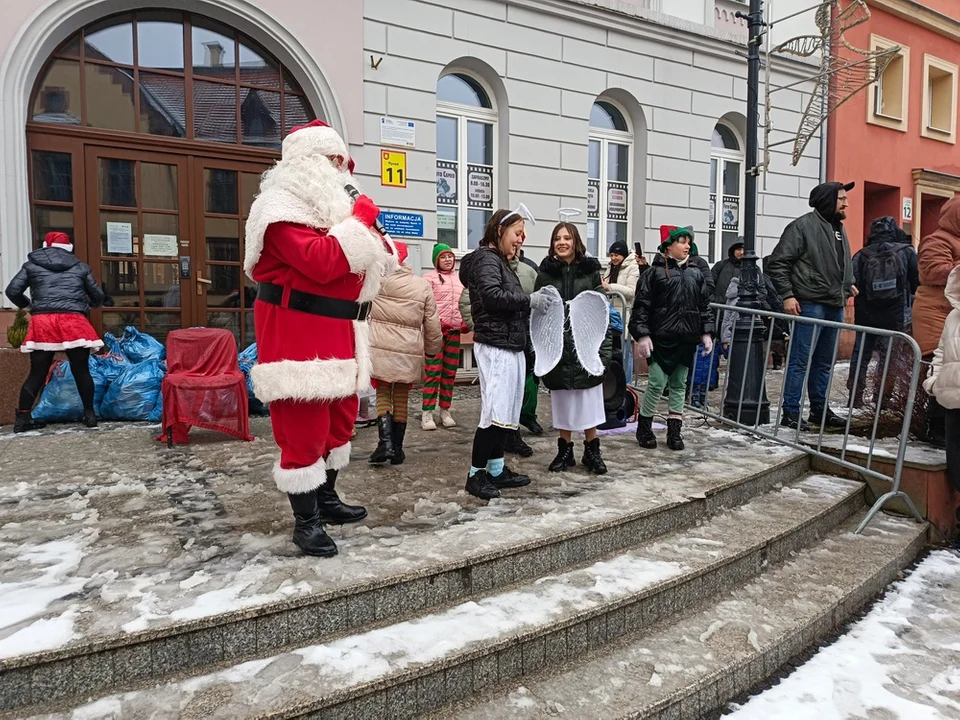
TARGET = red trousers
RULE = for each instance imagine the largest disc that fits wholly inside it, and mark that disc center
(313, 437)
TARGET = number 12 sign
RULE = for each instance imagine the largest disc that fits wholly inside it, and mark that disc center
(393, 168)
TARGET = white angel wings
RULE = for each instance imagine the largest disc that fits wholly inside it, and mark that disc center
(589, 319)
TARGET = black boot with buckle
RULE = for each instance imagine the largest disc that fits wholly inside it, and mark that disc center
(564, 458)
(385, 450)
(308, 532)
(592, 459)
(332, 508)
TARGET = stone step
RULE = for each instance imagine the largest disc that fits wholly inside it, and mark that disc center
(372, 582)
(419, 665)
(687, 667)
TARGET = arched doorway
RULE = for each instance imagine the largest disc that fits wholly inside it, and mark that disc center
(147, 135)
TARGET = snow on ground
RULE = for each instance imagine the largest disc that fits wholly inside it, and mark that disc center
(901, 661)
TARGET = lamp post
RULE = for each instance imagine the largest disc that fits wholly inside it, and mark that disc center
(747, 363)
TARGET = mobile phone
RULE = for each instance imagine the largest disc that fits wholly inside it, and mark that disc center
(638, 248)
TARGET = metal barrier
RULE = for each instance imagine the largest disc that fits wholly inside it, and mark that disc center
(738, 375)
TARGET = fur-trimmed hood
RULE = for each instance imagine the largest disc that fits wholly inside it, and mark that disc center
(586, 266)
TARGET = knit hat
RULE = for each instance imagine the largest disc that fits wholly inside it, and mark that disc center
(58, 240)
(439, 249)
(669, 234)
(620, 248)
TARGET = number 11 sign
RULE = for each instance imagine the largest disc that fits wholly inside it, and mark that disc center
(393, 168)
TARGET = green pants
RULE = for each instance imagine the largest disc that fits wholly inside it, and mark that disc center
(657, 380)
(528, 409)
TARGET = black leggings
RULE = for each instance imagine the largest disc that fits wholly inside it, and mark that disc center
(487, 445)
(40, 362)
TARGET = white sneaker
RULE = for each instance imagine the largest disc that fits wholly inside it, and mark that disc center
(447, 419)
(427, 423)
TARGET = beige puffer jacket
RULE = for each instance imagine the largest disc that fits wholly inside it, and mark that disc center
(944, 381)
(404, 325)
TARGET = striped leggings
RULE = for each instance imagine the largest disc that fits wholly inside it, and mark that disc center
(392, 398)
(440, 373)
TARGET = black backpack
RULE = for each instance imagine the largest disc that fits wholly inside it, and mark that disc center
(883, 275)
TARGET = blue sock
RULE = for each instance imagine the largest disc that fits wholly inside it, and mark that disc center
(495, 467)
(474, 470)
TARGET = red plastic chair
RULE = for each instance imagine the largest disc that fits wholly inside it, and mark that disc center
(203, 386)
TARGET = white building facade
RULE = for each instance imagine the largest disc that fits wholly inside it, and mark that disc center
(142, 135)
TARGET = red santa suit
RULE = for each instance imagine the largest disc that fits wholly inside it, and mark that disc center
(303, 240)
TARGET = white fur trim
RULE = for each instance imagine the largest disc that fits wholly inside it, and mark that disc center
(339, 457)
(304, 380)
(300, 480)
(314, 141)
(30, 346)
(361, 341)
(63, 246)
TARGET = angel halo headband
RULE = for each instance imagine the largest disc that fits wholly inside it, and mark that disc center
(522, 212)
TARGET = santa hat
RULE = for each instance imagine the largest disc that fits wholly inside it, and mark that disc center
(402, 251)
(669, 234)
(58, 240)
(317, 138)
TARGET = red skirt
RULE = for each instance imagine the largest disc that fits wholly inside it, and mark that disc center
(60, 331)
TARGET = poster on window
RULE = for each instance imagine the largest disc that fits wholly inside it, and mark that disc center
(617, 201)
(120, 238)
(713, 211)
(731, 212)
(446, 182)
(480, 187)
(593, 199)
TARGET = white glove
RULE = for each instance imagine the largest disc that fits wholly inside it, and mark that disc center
(645, 346)
(707, 344)
(542, 300)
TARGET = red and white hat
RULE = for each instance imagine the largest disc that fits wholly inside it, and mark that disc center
(317, 138)
(58, 240)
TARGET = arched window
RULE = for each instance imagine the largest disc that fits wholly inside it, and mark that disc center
(466, 155)
(726, 190)
(148, 133)
(608, 185)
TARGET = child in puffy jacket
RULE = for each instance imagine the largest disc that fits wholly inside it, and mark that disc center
(440, 370)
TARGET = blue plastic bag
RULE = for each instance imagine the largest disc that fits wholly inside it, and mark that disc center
(135, 394)
(60, 400)
(248, 358)
(139, 347)
(616, 320)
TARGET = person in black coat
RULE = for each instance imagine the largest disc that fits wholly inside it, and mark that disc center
(671, 317)
(62, 293)
(501, 315)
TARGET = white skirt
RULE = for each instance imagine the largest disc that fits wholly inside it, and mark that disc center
(501, 385)
(577, 410)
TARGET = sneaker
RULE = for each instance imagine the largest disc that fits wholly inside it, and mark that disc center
(509, 479)
(479, 485)
(427, 422)
(830, 419)
(792, 420)
(446, 419)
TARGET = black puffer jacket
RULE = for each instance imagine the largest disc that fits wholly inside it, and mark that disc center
(723, 272)
(499, 307)
(571, 280)
(673, 303)
(58, 283)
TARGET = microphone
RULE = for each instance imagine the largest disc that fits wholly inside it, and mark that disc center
(355, 194)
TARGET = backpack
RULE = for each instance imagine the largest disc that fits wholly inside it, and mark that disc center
(883, 275)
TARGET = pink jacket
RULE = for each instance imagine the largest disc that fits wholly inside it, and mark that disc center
(447, 294)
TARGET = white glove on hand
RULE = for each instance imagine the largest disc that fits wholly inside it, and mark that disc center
(542, 300)
(645, 346)
(707, 344)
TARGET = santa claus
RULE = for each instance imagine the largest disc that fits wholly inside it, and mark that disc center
(318, 264)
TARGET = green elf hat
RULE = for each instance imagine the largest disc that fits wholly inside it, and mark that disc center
(669, 234)
(439, 249)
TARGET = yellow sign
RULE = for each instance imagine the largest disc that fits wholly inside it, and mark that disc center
(393, 168)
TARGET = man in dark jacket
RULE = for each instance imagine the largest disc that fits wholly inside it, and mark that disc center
(887, 272)
(725, 270)
(812, 270)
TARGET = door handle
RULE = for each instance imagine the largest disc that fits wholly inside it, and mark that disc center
(202, 279)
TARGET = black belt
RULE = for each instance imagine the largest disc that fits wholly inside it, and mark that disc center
(313, 304)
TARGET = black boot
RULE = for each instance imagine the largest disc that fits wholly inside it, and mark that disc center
(90, 418)
(479, 485)
(564, 458)
(645, 435)
(24, 422)
(513, 443)
(592, 460)
(532, 425)
(674, 438)
(830, 419)
(399, 431)
(384, 449)
(308, 532)
(332, 508)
